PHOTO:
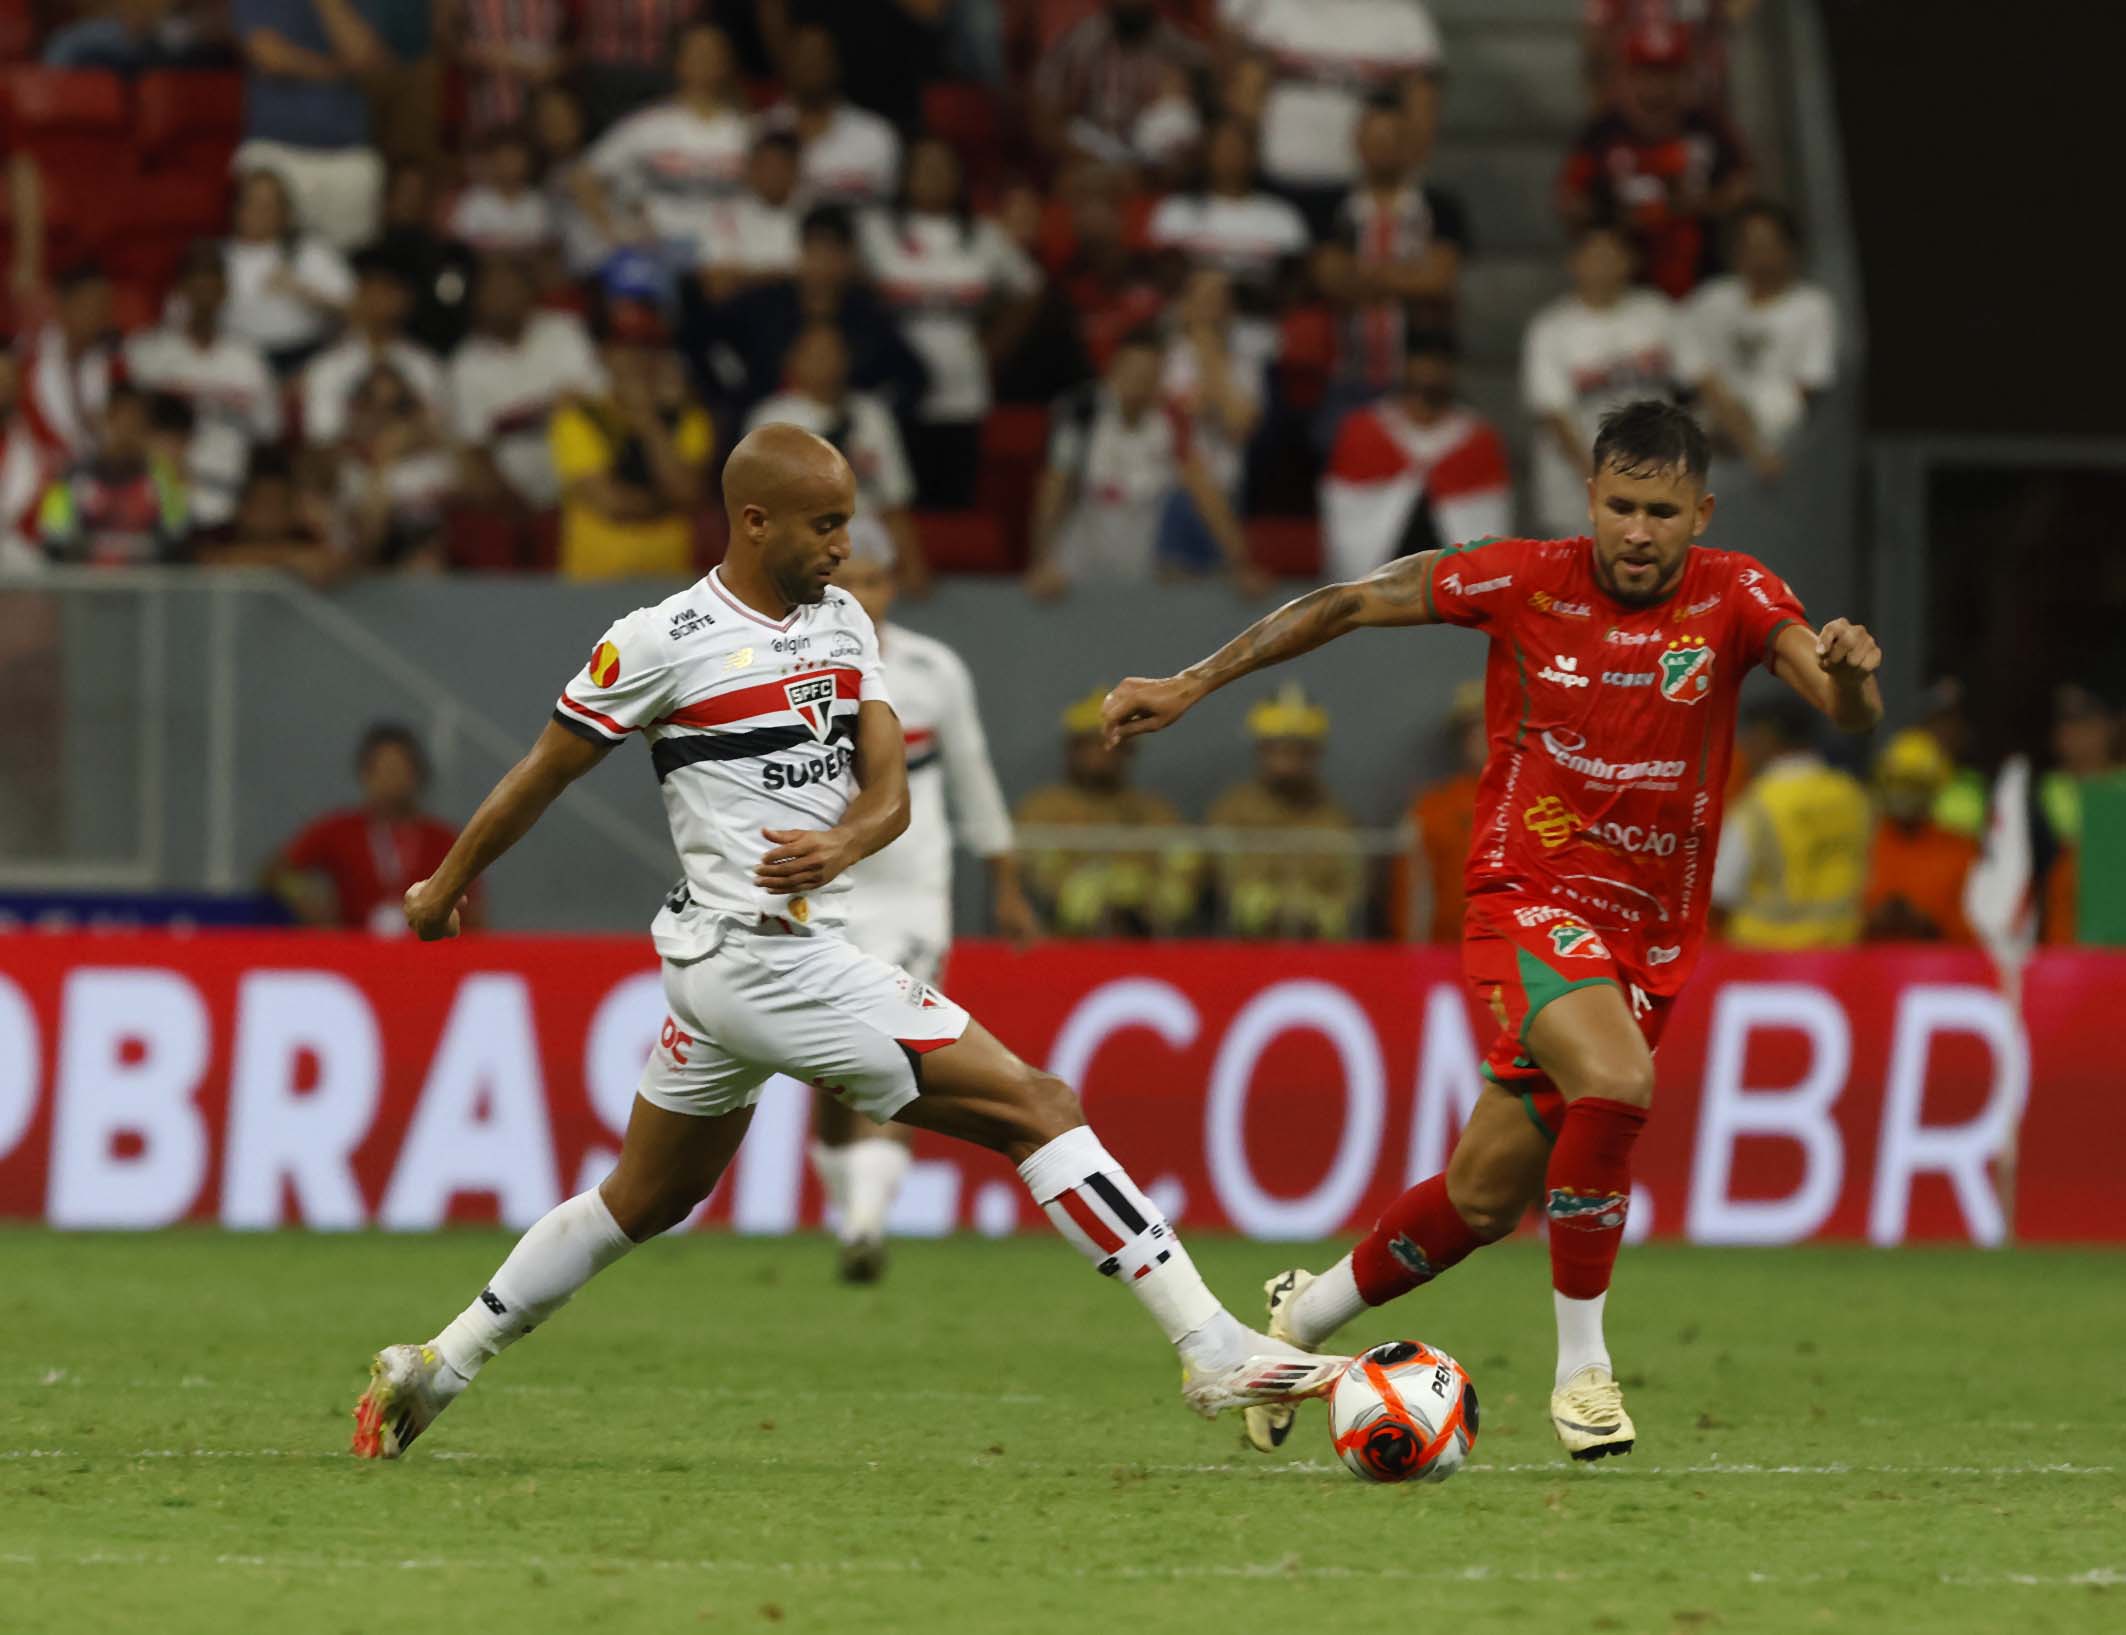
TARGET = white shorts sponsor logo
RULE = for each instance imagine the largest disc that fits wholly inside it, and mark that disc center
(1663, 956)
(1540, 916)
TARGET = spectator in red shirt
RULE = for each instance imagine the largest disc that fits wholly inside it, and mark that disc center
(1705, 25)
(351, 868)
(1668, 171)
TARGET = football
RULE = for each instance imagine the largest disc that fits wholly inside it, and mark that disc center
(1403, 1412)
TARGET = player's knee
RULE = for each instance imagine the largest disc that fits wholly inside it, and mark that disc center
(1489, 1206)
(644, 1210)
(1630, 1082)
(1043, 1108)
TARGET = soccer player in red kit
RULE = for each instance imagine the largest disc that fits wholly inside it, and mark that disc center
(1610, 708)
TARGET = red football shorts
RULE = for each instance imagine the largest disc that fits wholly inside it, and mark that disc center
(1519, 954)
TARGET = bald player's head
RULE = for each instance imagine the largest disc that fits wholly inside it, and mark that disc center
(789, 496)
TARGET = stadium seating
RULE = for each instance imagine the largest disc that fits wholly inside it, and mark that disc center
(1289, 547)
(964, 542)
(189, 123)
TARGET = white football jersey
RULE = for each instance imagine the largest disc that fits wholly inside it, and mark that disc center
(751, 724)
(904, 891)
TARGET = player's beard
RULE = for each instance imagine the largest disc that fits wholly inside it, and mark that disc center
(1617, 591)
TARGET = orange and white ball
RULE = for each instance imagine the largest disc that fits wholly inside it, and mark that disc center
(1403, 1412)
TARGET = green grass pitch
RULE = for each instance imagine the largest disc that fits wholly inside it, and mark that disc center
(717, 1436)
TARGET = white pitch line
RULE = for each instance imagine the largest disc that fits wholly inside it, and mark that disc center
(1269, 1572)
(1300, 1467)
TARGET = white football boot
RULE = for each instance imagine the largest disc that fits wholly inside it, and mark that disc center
(1587, 1412)
(1269, 1425)
(1271, 1372)
(407, 1390)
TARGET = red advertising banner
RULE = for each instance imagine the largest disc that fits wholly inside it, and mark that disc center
(336, 1082)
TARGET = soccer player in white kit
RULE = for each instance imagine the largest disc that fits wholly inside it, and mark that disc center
(760, 694)
(900, 902)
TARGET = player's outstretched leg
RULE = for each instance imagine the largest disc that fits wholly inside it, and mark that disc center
(977, 1090)
(1593, 1051)
(669, 1162)
(1494, 1174)
(860, 1165)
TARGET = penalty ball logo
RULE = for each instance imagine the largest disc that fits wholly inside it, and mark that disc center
(812, 697)
(1686, 670)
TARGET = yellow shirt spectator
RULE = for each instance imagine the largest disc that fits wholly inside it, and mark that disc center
(615, 523)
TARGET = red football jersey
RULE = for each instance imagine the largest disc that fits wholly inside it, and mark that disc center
(1610, 728)
(370, 864)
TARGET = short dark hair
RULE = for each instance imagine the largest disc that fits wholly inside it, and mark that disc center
(1608, 225)
(1650, 435)
(1432, 343)
(170, 414)
(374, 261)
(832, 219)
(1771, 210)
(378, 734)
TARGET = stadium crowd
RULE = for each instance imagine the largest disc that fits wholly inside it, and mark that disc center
(1117, 291)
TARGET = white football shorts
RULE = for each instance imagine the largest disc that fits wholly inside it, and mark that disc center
(812, 1006)
(910, 929)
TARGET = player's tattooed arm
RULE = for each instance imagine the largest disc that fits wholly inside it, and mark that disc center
(806, 859)
(527, 789)
(1390, 595)
(1834, 669)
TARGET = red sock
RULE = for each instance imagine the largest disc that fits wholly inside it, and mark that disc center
(1416, 1238)
(1587, 1192)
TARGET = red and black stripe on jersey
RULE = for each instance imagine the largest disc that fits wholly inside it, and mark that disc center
(921, 744)
(729, 726)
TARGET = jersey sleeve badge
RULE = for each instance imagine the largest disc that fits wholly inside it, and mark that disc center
(604, 668)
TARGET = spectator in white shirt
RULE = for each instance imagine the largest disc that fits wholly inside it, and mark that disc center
(234, 400)
(72, 366)
(502, 211)
(964, 293)
(1328, 57)
(818, 398)
(1216, 377)
(1770, 337)
(1111, 507)
(396, 473)
(654, 177)
(751, 237)
(288, 290)
(1600, 346)
(515, 367)
(1255, 237)
(376, 335)
(24, 467)
(850, 156)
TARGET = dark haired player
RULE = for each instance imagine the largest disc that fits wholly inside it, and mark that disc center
(1610, 709)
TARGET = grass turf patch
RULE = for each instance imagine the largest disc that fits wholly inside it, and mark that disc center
(716, 1435)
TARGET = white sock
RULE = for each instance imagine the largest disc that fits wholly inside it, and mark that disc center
(1326, 1304)
(1092, 1201)
(875, 1167)
(831, 1165)
(1580, 1343)
(564, 1250)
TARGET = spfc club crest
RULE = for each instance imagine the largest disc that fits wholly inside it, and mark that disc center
(1686, 670)
(812, 697)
